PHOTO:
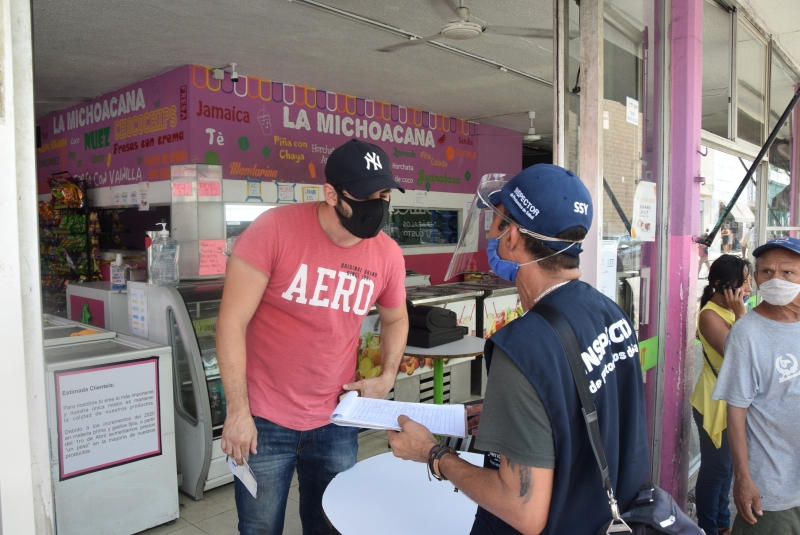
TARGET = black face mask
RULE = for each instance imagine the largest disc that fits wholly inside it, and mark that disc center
(368, 217)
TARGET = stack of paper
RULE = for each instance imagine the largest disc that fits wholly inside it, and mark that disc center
(354, 411)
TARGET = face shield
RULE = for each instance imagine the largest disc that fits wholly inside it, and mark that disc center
(474, 234)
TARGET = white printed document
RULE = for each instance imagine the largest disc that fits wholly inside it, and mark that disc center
(354, 411)
(245, 474)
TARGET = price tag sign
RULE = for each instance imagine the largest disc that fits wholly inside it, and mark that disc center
(181, 189)
(205, 326)
(310, 193)
(208, 189)
(212, 257)
(285, 192)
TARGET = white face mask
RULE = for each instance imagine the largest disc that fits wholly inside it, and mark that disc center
(779, 292)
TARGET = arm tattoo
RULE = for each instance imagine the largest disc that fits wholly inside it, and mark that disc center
(525, 483)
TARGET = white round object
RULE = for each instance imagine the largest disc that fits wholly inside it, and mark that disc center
(386, 495)
(462, 30)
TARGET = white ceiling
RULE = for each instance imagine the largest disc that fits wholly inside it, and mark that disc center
(781, 18)
(85, 48)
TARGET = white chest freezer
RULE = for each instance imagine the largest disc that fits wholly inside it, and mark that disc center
(112, 433)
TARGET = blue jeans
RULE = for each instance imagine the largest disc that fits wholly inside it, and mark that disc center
(713, 481)
(318, 455)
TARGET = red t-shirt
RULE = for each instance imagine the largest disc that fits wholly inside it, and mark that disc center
(303, 337)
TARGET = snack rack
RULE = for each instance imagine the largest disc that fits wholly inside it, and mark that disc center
(68, 242)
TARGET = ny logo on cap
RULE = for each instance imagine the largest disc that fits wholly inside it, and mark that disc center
(374, 159)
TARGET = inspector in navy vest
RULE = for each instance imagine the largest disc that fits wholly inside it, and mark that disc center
(610, 352)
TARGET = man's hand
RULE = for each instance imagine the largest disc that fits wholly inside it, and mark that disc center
(474, 418)
(413, 443)
(376, 387)
(239, 437)
(747, 499)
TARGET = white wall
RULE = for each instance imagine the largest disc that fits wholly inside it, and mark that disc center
(26, 505)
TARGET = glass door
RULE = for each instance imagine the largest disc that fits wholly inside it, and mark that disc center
(631, 141)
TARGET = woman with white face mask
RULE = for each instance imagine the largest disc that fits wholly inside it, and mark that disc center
(722, 304)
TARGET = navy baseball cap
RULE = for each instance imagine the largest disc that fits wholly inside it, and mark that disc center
(547, 200)
(360, 168)
(791, 244)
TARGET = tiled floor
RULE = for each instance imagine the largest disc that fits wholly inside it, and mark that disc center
(215, 514)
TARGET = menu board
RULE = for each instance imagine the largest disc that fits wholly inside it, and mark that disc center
(107, 415)
(423, 226)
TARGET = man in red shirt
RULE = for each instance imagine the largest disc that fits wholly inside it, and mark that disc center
(299, 283)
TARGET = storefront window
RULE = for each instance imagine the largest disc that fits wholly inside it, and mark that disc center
(716, 69)
(630, 132)
(573, 101)
(723, 173)
(751, 69)
(781, 199)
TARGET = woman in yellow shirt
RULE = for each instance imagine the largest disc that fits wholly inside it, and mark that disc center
(723, 303)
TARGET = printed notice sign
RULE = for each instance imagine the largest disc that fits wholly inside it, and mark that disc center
(181, 189)
(608, 271)
(643, 226)
(107, 415)
(488, 217)
(212, 257)
(208, 189)
(137, 299)
(632, 111)
(144, 191)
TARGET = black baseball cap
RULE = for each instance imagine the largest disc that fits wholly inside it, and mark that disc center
(360, 168)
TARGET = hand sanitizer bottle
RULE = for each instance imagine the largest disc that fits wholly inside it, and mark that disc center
(117, 274)
(165, 258)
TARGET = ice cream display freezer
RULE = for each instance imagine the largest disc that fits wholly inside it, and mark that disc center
(184, 317)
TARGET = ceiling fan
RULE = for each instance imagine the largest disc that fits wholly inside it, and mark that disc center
(459, 26)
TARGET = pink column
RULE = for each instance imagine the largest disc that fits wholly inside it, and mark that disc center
(794, 152)
(686, 38)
